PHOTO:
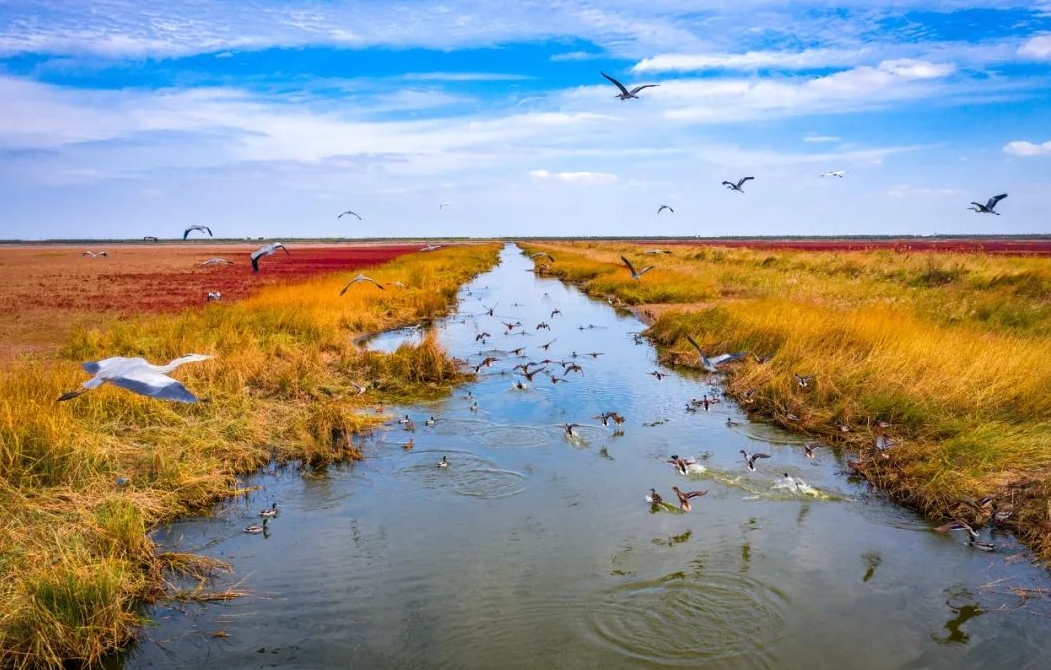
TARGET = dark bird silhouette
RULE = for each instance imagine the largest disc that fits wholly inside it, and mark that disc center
(665, 207)
(266, 250)
(737, 187)
(987, 208)
(349, 212)
(203, 229)
(625, 94)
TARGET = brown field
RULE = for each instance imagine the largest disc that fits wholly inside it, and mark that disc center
(1034, 246)
(47, 290)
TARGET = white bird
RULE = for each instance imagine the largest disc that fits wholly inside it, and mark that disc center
(95, 254)
(214, 295)
(542, 253)
(655, 252)
(138, 376)
(216, 261)
(203, 229)
(266, 250)
(835, 173)
(349, 212)
(987, 208)
(637, 276)
(431, 247)
(737, 187)
(625, 94)
(361, 278)
(665, 207)
(712, 364)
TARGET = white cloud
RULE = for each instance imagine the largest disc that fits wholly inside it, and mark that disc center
(1023, 148)
(464, 76)
(576, 55)
(781, 60)
(821, 139)
(908, 68)
(906, 191)
(576, 177)
(1038, 47)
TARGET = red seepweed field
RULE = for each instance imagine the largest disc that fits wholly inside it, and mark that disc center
(46, 290)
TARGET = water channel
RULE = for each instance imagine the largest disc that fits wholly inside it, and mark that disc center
(534, 549)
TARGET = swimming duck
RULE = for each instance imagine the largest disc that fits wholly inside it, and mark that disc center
(809, 447)
(730, 423)
(750, 459)
(268, 513)
(654, 498)
(430, 422)
(958, 524)
(405, 420)
(659, 375)
(684, 497)
(981, 546)
(407, 446)
(444, 463)
(256, 528)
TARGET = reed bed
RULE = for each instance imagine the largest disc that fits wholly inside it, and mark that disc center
(82, 482)
(952, 350)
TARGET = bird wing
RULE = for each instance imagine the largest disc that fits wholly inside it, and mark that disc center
(628, 263)
(759, 455)
(743, 180)
(355, 214)
(277, 246)
(639, 88)
(207, 229)
(646, 269)
(695, 494)
(617, 84)
(694, 343)
(147, 382)
(725, 358)
(995, 199)
(729, 183)
(186, 232)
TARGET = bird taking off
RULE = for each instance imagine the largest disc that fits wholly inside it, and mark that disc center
(834, 173)
(348, 212)
(625, 94)
(665, 207)
(203, 229)
(266, 250)
(987, 208)
(637, 276)
(138, 376)
(737, 187)
(361, 278)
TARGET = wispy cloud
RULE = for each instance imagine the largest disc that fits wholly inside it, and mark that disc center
(576, 177)
(906, 191)
(820, 139)
(464, 76)
(1023, 148)
(575, 55)
(751, 60)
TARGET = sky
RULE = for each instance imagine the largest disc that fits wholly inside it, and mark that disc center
(267, 118)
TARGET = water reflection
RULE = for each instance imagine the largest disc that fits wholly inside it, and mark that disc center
(533, 549)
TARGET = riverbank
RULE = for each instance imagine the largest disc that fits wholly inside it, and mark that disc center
(945, 353)
(82, 482)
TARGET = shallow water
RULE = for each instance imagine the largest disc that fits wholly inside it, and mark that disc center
(534, 549)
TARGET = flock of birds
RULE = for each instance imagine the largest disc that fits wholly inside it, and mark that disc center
(142, 377)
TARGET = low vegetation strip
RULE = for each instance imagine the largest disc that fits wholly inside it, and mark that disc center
(948, 354)
(82, 482)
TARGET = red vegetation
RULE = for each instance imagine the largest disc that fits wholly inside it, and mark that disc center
(47, 289)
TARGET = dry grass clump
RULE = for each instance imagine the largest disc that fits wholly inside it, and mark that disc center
(952, 350)
(82, 482)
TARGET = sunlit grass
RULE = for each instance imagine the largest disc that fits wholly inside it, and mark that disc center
(81, 482)
(952, 349)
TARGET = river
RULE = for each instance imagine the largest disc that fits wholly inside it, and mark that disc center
(536, 549)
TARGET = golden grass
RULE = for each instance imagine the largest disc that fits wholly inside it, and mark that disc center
(82, 482)
(954, 350)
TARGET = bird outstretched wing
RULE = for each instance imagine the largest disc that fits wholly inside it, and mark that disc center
(743, 180)
(147, 382)
(693, 342)
(995, 199)
(639, 88)
(628, 263)
(617, 84)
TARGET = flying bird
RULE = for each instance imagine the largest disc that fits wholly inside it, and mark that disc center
(543, 253)
(684, 497)
(138, 376)
(203, 229)
(149, 238)
(215, 261)
(637, 276)
(443, 206)
(352, 213)
(750, 459)
(95, 254)
(987, 208)
(665, 207)
(834, 173)
(737, 187)
(266, 250)
(214, 295)
(431, 247)
(712, 364)
(361, 278)
(625, 94)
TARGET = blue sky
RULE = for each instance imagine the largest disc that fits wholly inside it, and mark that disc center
(120, 118)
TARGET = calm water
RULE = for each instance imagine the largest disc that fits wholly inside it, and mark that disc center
(534, 550)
